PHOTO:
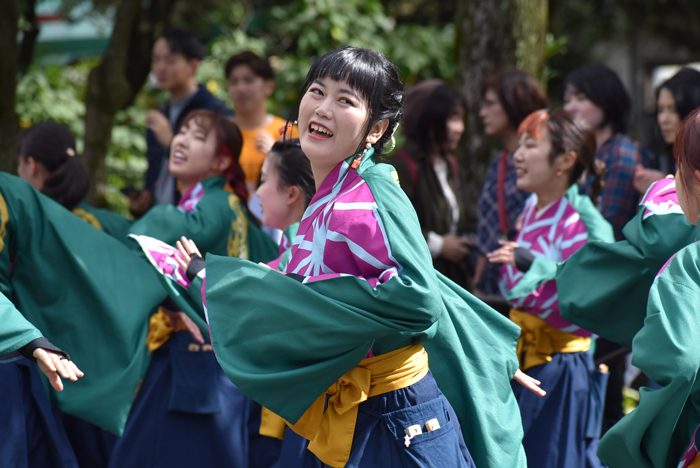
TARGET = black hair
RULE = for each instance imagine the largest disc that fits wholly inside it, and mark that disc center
(184, 43)
(53, 146)
(685, 88)
(293, 167)
(603, 88)
(259, 66)
(429, 126)
(373, 76)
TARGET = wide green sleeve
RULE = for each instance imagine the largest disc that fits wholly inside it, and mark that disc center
(667, 350)
(88, 293)
(110, 222)
(15, 330)
(604, 287)
(207, 227)
(473, 359)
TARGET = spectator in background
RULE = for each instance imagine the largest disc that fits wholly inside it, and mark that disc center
(595, 94)
(430, 175)
(251, 81)
(507, 98)
(675, 99)
(176, 56)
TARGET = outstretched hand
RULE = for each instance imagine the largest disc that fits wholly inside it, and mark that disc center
(505, 254)
(187, 249)
(55, 366)
(528, 382)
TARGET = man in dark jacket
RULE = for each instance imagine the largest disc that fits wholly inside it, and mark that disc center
(176, 56)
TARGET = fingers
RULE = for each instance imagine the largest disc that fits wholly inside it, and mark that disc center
(55, 366)
(192, 247)
(528, 382)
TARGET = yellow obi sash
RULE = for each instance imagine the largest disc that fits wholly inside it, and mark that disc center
(331, 432)
(695, 463)
(539, 340)
(159, 330)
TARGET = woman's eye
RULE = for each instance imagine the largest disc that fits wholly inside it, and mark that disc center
(346, 101)
(316, 91)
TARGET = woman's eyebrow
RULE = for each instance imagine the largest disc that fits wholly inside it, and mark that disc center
(350, 92)
(320, 83)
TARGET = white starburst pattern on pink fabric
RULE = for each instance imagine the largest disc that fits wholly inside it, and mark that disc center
(661, 199)
(342, 233)
(555, 234)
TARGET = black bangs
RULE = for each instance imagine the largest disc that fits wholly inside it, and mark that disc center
(372, 76)
(362, 69)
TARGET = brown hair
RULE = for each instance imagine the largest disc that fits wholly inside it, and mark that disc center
(259, 66)
(519, 94)
(229, 142)
(567, 134)
(687, 149)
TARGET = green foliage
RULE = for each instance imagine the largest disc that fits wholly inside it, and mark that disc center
(294, 34)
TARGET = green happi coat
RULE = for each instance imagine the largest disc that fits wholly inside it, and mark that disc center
(283, 343)
(110, 222)
(667, 350)
(604, 287)
(216, 222)
(87, 293)
(15, 330)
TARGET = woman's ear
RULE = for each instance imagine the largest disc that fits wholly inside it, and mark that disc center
(293, 195)
(566, 161)
(221, 164)
(377, 130)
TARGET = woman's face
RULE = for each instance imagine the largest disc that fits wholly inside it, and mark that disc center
(273, 200)
(667, 116)
(533, 168)
(332, 122)
(455, 129)
(578, 105)
(496, 122)
(193, 154)
(688, 197)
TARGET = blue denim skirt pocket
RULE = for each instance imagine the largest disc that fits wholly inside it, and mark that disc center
(441, 446)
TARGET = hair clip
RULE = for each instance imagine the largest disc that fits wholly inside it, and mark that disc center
(70, 152)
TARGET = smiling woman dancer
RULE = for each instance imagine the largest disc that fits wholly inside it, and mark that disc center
(554, 151)
(347, 328)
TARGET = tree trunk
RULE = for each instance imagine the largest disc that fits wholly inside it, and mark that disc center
(493, 35)
(530, 32)
(8, 83)
(29, 37)
(114, 83)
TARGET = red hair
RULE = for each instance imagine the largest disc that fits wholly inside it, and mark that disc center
(687, 148)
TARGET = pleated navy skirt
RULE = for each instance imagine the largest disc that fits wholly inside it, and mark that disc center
(187, 413)
(32, 434)
(562, 429)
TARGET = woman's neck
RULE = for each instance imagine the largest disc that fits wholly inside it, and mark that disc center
(511, 140)
(554, 192)
(320, 174)
(252, 119)
(602, 135)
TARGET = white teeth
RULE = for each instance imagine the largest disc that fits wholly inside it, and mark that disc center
(320, 129)
(179, 155)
